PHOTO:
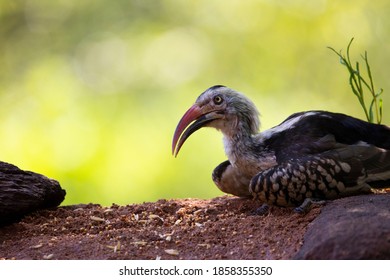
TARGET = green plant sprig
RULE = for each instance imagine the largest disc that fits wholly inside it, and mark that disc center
(358, 84)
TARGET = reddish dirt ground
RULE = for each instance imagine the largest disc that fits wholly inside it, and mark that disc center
(220, 228)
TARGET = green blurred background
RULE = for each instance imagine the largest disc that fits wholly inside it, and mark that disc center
(91, 91)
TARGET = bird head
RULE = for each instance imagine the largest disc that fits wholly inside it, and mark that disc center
(222, 108)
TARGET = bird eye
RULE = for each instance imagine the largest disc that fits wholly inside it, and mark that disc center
(217, 100)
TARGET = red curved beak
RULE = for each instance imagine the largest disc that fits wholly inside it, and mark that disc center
(191, 115)
(194, 119)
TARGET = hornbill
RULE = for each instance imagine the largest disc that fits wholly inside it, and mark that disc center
(312, 155)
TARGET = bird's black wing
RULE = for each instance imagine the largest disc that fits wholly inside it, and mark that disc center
(323, 155)
(313, 132)
(345, 171)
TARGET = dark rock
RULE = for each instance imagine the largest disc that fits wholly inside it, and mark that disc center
(22, 192)
(355, 227)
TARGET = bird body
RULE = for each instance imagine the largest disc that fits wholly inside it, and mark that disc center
(310, 155)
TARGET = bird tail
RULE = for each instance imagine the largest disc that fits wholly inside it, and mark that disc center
(376, 162)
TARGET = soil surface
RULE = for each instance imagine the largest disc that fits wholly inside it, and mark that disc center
(220, 228)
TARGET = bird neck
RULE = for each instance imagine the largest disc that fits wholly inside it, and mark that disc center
(238, 149)
(247, 153)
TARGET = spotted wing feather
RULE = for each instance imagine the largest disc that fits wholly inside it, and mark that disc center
(336, 173)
